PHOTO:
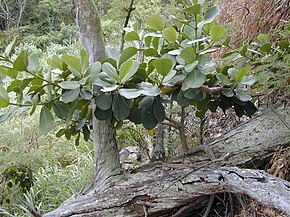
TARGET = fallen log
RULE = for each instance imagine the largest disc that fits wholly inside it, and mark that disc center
(182, 185)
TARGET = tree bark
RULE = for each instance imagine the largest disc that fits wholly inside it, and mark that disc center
(105, 145)
(182, 185)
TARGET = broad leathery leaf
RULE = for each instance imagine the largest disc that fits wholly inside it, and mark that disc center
(149, 89)
(58, 63)
(12, 73)
(182, 100)
(136, 116)
(110, 70)
(61, 109)
(194, 94)
(128, 69)
(84, 60)
(240, 74)
(148, 118)
(194, 79)
(70, 95)
(4, 98)
(195, 9)
(127, 54)
(104, 101)
(86, 133)
(129, 93)
(80, 124)
(131, 36)
(188, 54)
(209, 16)
(208, 26)
(228, 93)
(93, 69)
(158, 110)
(263, 38)
(244, 50)
(120, 107)
(9, 48)
(110, 88)
(155, 22)
(46, 121)
(150, 52)
(163, 66)
(33, 64)
(217, 32)
(86, 94)
(72, 61)
(146, 102)
(248, 80)
(266, 47)
(103, 114)
(283, 44)
(243, 96)
(21, 62)
(227, 41)
(224, 79)
(69, 85)
(170, 34)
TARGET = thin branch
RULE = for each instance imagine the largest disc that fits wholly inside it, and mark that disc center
(171, 120)
(129, 11)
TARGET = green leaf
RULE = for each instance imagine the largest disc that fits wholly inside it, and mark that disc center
(9, 48)
(182, 100)
(263, 38)
(148, 118)
(244, 50)
(195, 9)
(155, 22)
(103, 114)
(240, 74)
(70, 95)
(6, 115)
(110, 70)
(227, 41)
(4, 98)
(224, 79)
(93, 69)
(217, 32)
(86, 94)
(188, 54)
(46, 120)
(170, 34)
(33, 60)
(120, 107)
(150, 52)
(72, 61)
(69, 85)
(283, 44)
(129, 93)
(195, 94)
(21, 62)
(127, 54)
(84, 60)
(243, 96)
(128, 69)
(86, 133)
(61, 109)
(158, 110)
(209, 16)
(248, 80)
(266, 47)
(136, 116)
(194, 79)
(104, 101)
(12, 73)
(163, 66)
(131, 36)
(149, 89)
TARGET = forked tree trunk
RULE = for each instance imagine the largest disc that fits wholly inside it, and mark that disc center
(105, 145)
(181, 186)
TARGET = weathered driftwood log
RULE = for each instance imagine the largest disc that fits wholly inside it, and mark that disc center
(182, 185)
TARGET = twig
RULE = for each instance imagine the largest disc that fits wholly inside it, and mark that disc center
(209, 205)
(129, 11)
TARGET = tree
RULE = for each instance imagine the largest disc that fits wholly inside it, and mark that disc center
(177, 69)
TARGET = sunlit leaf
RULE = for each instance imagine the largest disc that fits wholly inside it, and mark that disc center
(4, 98)
(127, 54)
(188, 54)
(155, 22)
(69, 85)
(21, 62)
(170, 34)
(70, 95)
(194, 79)
(217, 32)
(209, 16)
(131, 36)
(163, 66)
(128, 69)
(195, 9)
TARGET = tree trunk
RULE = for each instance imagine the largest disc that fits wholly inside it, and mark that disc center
(182, 185)
(105, 145)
